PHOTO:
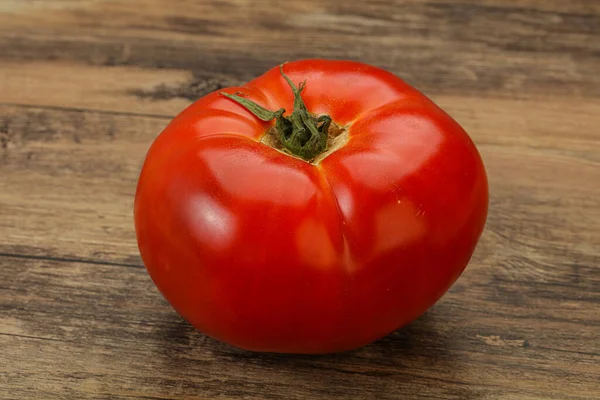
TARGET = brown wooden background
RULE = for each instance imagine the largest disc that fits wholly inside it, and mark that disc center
(86, 85)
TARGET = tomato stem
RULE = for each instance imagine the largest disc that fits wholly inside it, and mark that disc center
(301, 133)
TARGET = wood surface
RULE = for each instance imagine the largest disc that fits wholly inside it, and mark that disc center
(85, 86)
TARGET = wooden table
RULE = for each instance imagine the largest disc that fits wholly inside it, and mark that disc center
(85, 86)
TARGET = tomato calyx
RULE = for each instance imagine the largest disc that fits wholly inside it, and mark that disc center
(301, 133)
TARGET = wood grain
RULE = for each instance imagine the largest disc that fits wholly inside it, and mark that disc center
(96, 330)
(85, 86)
(510, 48)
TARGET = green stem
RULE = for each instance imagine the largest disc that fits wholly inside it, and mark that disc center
(300, 133)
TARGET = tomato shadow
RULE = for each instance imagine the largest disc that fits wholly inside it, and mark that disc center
(418, 358)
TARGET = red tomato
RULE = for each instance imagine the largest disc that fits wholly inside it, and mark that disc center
(263, 250)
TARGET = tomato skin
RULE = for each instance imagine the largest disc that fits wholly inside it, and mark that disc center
(268, 252)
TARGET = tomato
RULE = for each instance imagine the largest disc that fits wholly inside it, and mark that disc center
(316, 209)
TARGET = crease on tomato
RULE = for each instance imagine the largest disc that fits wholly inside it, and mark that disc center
(348, 263)
(400, 102)
(347, 260)
(271, 101)
(216, 101)
(240, 125)
(181, 149)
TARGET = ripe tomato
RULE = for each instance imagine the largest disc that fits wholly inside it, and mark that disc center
(316, 230)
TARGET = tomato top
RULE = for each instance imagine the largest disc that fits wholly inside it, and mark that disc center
(259, 248)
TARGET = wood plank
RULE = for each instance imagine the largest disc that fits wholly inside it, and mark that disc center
(74, 155)
(79, 86)
(559, 124)
(85, 86)
(440, 46)
(67, 181)
(65, 323)
(92, 160)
